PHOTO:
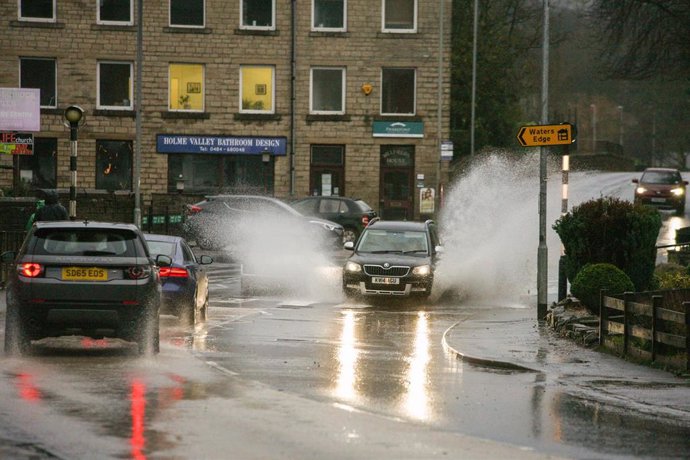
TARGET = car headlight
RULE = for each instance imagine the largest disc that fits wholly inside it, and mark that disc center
(422, 270)
(353, 267)
(640, 190)
(678, 191)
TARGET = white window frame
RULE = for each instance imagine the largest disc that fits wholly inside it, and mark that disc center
(21, 58)
(34, 19)
(315, 27)
(250, 27)
(115, 23)
(413, 30)
(273, 89)
(185, 26)
(131, 87)
(343, 80)
(414, 100)
(203, 86)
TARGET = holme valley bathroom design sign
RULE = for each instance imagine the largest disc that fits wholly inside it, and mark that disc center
(173, 143)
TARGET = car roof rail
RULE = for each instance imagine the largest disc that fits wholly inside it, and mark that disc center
(375, 219)
(429, 221)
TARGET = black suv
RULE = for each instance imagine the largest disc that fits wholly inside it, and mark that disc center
(352, 213)
(225, 221)
(392, 258)
(94, 279)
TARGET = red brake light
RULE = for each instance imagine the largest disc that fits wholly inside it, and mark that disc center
(365, 220)
(193, 209)
(30, 270)
(173, 272)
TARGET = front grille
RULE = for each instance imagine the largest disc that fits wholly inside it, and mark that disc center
(379, 270)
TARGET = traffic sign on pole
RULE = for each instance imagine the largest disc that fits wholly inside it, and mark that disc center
(543, 135)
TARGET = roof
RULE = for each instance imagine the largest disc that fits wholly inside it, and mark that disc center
(159, 237)
(401, 225)
(84, 224)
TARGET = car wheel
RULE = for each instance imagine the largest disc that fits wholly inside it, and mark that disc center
(149, 333)
(349, 234)
(16, 340)
(680, 210)
(188, 313)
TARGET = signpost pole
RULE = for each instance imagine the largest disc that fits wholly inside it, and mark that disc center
(542, 253)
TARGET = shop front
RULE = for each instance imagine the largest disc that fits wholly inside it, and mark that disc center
(221, 164)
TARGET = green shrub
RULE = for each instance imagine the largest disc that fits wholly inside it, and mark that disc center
(593, 278)
(614, 231)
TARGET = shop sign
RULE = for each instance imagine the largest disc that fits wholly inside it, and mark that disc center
(398, 129)
(447, 150)
(222, 145)
(20, 109)
(13, 143)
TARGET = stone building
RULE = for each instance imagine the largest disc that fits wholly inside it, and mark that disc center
(289, 98)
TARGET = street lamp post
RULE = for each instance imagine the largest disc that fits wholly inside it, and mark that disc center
(594, 127)
(75, 117)
(620, 133)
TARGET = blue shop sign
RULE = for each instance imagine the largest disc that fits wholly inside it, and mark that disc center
(222, 145)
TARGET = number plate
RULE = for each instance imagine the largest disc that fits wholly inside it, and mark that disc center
(385, 280)
(658, 200)
(84, 274)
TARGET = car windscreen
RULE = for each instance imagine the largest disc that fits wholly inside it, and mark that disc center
(166, 248)
(85, 242)
(393, 241)
(660, 177)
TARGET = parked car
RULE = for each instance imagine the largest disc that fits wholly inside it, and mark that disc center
(185, 281)
(225, 221)
(393, 258)
(661, 187)
(352, 213)
(92, 278)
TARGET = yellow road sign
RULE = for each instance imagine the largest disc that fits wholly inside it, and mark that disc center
(541, 135)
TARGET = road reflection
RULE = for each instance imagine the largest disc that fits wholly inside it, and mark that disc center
(363, 373)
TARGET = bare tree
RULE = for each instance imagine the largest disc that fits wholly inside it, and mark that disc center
(644, 38)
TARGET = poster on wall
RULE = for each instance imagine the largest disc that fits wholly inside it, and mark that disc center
(326, 185)
(427, 197)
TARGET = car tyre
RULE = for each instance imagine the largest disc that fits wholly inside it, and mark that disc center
(149, 333)
(16, 340)
(188, 313)
(680, 210)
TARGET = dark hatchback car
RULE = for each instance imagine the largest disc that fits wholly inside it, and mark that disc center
(94, 279)
(393, 258)
(661, 187)
(185, 281)
(223, 221)
(352, 213)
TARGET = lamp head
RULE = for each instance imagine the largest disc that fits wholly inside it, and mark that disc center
(74, 114)
(265, 156)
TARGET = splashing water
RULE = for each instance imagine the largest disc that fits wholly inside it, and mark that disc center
(490, 229)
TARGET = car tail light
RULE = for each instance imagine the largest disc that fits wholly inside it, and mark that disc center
(173, 272)
(193, 209)
(138, 272)
(30, 270)
(365, 220)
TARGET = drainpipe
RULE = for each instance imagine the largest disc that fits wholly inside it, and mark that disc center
(293, 76)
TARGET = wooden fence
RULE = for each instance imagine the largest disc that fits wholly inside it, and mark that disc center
(652, 327)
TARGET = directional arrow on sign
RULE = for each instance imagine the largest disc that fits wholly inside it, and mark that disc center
(542, 135)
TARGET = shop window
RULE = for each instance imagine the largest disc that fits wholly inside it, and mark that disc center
(37, 10)
(327, 170)
(398, 91)
(187, 13)
(258, 14)
(115, 85)
(257, 89)
(39, 73)
(226, 173)
(40, 169)
(186, 87)
(400, 15)
(329, 15)
(114, 12)
(113, 165)
(327, 90)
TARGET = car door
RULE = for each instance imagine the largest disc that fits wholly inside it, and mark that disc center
(330, 209)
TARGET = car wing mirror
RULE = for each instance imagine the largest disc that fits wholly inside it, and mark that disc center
(8, 257)
(205, 260)
(439, 249)
(350, 245)
(163, 260)
(635, 181)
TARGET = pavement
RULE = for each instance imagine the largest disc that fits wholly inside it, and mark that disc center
(513, 339)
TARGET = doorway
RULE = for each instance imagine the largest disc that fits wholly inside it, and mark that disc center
(397, 182)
